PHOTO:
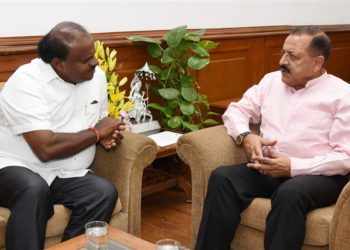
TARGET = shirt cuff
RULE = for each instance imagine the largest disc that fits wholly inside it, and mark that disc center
(299, 166)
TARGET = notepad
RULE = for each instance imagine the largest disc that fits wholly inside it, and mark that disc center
(165, 138)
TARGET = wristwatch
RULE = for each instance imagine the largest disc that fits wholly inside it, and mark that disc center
(240, 137)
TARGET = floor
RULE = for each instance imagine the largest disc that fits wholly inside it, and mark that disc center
(166, 215)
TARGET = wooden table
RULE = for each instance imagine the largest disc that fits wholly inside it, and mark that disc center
(155, 180)
(114, 234)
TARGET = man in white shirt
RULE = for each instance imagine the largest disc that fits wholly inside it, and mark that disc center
(53, 111)
(301, 157)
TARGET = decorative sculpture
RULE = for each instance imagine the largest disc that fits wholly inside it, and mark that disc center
(140, 111)
(141, 117)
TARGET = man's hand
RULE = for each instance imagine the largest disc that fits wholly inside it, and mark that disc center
(114, 139)
(112, 142)
(107, 126)
(275, 165)
(253, 145)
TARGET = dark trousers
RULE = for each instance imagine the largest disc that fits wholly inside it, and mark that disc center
(232, 188)
(31, 201)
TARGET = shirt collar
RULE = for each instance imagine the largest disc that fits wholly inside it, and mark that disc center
(48, 73)
(309, 83)
(316, 80)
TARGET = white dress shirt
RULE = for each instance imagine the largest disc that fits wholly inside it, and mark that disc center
(36, 98)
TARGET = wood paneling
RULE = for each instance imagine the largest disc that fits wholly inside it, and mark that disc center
(231, 71)
(339, 62)
(242, 58)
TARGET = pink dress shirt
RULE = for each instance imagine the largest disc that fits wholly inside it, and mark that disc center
(311, 125)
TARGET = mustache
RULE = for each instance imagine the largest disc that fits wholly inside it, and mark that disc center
(285, 68)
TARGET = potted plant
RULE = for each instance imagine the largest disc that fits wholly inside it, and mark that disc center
(182, 108)
(117, 101)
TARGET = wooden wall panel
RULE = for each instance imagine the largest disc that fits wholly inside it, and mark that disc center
(242, 58)
(272, 53)
(9, 63)
(339, 62)
(231, 70)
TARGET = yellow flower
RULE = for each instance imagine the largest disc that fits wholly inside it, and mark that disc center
(107, 62)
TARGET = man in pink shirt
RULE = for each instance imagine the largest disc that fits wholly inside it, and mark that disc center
(301, 157)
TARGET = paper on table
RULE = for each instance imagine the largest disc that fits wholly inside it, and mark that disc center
(165, 138)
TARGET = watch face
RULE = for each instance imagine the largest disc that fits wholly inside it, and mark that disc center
(239, 139)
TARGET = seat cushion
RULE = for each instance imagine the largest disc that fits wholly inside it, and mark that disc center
(56, 223)
(317, 223)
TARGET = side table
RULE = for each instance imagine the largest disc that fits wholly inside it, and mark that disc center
(155, 180)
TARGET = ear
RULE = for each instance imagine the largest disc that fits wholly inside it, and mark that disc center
(318, 64)
(57, 64)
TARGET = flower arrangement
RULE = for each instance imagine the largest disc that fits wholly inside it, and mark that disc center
(117, 101)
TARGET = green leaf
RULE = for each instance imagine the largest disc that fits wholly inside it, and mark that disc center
(189, 94)
(208, 44)
(186, 108)
(210, 122)
(154, 90)
(154, 68)
(168, 112)
(167, 56)
(198, 49)
(164, 75)
(173, 103)
(182, 47)
(174, 36)
(169, 93)
(156, 106)
(186, 80)
(190, 126)
(143, 39)
(196, 62)
(194, 36)
(174, 122)
(154, 50)
(199, 32)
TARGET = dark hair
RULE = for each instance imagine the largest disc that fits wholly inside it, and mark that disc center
(320, 42)
(56, 42)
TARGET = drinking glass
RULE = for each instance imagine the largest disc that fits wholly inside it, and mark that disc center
(96, 233)
(167, 244)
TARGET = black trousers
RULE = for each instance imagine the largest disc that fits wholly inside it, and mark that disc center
(31, 201)
(232, 188)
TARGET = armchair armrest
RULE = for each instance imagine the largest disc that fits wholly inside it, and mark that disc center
(209, 148)
(340, 230)
(124, 168)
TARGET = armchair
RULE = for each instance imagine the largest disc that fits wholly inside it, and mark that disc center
(206, 149)
(124, 168)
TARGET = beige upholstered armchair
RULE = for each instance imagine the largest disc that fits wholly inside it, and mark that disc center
(124, 168)
(206, 149)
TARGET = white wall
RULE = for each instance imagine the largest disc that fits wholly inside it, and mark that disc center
(21, 18)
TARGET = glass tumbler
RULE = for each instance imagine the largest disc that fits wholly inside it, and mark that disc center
(96, 234)
(167, 244)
